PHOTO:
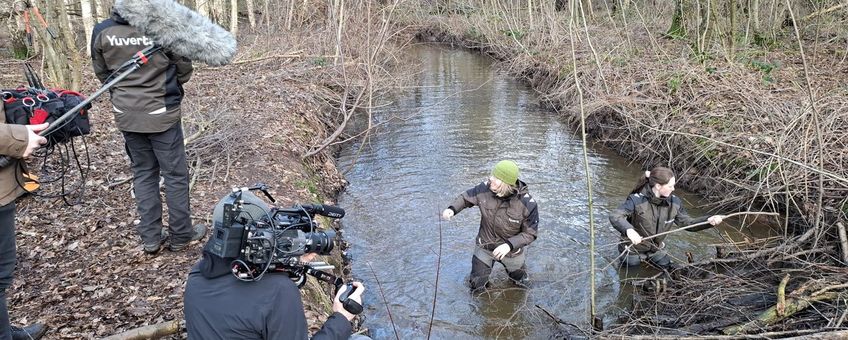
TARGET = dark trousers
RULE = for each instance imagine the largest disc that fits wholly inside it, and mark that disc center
(481, 267)
(150, 155)
(7, 264)
(631, 257)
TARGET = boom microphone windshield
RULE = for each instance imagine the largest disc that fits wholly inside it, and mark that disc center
(180, 30)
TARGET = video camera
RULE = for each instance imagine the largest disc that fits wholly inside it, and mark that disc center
(264, 238)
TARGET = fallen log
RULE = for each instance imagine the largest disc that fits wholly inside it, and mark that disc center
(843, 240)
(833, 335)
(149, 332)
(772, 316)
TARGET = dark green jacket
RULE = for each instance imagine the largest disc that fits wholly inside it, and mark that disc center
(651, 215)
(513, 220)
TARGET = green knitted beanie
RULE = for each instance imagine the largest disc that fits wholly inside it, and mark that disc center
(506, 171)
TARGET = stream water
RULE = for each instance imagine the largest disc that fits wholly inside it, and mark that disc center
(445, 135)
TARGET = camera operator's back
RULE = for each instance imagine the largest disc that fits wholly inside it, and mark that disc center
(219, 306)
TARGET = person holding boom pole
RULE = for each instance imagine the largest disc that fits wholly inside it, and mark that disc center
(165, 37)
(649, 210)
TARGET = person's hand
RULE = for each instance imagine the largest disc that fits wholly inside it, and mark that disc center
(501, 251)
(447, 214)
(356, 296)
(308, 257)
(715, 219)
(634, 236)
(34, 140)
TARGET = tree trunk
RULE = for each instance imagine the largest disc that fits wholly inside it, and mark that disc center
(339, 32)
(203, 8)
(101, 11)
(87, 23)
(590, 8)
(731, 31)
(74, 70)
(266, 15)
(234, 17)
(291, 15)
(52, 58)
(21, 46)
(676, 29)
(218, 11)
(705, 25)
(304, 10)
(712, 22)
(251, 17)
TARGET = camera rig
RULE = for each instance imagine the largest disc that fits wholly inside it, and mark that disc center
(260, 238)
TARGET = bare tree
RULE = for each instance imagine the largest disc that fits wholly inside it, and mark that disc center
(234, 16)
(251, 16)
(218, 11)
(87, 23)
(68, 38)
(203, 7)
(22, 43)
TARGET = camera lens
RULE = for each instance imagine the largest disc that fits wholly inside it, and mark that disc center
(320, 242)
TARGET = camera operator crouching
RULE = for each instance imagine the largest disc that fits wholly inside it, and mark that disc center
(246, 286)
(219, 306)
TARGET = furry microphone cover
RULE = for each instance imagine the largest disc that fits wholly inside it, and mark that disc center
(180, 30)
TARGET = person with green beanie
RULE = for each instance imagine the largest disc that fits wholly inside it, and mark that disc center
(509, 221)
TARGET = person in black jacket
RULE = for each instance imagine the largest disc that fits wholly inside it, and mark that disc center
(650, 209)
(217, 305)
(146, 105)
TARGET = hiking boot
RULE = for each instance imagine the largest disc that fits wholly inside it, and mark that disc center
(152, 248)
(199, 233)
(32, 332)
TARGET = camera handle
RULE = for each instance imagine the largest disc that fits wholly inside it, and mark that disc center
(262, 187)
(349, 305)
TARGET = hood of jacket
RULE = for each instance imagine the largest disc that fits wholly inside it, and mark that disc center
(212, 266)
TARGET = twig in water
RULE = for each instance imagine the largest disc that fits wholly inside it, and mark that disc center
(436, 289)
(705, 222)
(385, 302)
(561, 321)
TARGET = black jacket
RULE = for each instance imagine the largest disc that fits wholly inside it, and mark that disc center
(147, 100)
(651, 215)
(219, 306)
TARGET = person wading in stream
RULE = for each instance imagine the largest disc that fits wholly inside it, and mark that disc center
(509, 221)
(650, 209)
